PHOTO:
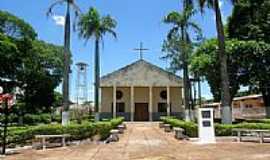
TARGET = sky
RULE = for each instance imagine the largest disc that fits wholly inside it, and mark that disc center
(137, 21)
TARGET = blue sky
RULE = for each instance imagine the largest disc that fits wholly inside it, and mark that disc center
(138, 20)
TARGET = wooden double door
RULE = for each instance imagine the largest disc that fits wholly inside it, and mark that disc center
(141, 112)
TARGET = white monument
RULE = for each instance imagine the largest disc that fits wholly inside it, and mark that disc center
(65, 118)
(1, 90)
(206, 125)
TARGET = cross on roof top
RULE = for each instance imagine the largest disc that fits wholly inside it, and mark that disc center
(141, 50)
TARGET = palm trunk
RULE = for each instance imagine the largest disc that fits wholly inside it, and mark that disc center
(97, 78)
(186, 79)
(225, 90)
(66, 67)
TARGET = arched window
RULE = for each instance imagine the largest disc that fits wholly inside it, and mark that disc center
(163, 94)
(119, 95)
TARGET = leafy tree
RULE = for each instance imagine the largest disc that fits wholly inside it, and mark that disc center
(250, 20)
(9, 64)
(69, 4)
(92, 25)
(14, 27)
(255, 60)
(34, 66)
(225, 93)
(248, 65)
(205, 62)
(178, 45)
(41, 74)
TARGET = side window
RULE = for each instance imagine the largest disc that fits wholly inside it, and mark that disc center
(162, 107)
(120, 107)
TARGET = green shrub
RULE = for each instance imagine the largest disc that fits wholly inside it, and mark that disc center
(258, 121)
(103, 128)
(31, 119)
(191, 128)
(223, 129)
(20, 135)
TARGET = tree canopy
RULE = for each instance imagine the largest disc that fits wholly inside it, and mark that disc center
(250, 20)
(248, 64)
(34, 66)
(15, 27)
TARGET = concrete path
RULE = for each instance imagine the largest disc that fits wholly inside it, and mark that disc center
(145, 141)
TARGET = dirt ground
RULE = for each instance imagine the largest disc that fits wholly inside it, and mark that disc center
(145, 141)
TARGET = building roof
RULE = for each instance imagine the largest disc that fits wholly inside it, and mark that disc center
(141, 73)
(247, 97)
(254, 96)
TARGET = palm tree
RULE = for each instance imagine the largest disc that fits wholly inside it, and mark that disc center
(67, 53)
(92, 25)
(225, 86)
(182, 25)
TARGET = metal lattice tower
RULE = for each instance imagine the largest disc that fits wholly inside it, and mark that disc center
(81, 83)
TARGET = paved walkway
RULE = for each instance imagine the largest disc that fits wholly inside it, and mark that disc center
(145, 141)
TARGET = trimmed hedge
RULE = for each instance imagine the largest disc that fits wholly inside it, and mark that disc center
(191, 128)
(20, 135)
(33, 119)
(259, 121)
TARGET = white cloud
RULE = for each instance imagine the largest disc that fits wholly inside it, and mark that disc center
(221, 4)
(59, 20)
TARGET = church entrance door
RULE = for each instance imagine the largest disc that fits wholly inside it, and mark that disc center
(141, 112)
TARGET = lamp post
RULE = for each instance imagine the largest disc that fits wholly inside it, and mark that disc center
(5, 111)
(6, 101)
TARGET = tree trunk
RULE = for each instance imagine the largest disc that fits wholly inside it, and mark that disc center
(65, 115)
(225, 87)
(97, 77)
(265, 89)
(186, 78)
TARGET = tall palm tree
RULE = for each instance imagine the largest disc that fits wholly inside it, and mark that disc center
(182, 25)
(67, 53)
(92, 25)
(225, 86)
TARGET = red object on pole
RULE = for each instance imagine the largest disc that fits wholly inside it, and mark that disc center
(10, 99)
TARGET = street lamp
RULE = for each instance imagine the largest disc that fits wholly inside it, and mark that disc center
(5, 98)
(5, 111)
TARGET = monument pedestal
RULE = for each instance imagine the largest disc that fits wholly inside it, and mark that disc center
(206, 127)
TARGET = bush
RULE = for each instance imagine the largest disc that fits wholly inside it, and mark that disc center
(104, 127)
(20, 135)
(259, 121)
(31, 119)
(191, 128)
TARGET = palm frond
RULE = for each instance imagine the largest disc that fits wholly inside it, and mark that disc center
(172, 32)
(92, 25)
(188, 3)
(77, 12)
(172, 18)
(50, 9)
(107, 25)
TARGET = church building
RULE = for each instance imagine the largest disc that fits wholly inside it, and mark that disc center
(141, 91)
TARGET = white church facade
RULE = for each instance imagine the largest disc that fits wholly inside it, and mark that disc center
(141, 91)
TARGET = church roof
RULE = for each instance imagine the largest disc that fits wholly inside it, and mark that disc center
(141, 73)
